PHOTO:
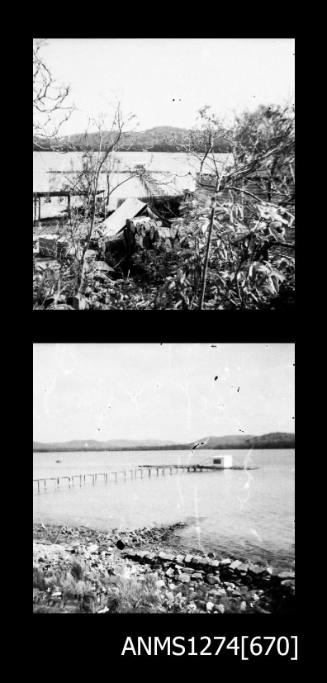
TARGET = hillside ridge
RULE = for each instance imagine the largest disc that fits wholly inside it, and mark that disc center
(270, 440)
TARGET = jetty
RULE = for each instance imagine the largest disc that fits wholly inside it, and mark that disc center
(139, 472)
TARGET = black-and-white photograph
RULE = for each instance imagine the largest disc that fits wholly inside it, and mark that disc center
(163, 174)
(163, 478)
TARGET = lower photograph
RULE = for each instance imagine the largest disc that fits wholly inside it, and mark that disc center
(164, 478)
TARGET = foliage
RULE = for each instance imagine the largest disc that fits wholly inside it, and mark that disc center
(245, 269)
(232, 250)
(263, 152)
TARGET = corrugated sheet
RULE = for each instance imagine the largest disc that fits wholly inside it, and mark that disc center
(127, 210)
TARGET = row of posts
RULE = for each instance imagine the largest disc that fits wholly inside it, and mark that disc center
(105, 475)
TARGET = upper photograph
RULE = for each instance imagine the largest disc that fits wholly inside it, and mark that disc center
(163, 174)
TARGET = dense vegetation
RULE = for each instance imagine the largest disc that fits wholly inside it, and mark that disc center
(235, 251)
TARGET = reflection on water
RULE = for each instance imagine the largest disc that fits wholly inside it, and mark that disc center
(243, 513)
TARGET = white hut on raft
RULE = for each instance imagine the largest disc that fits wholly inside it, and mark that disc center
(223, 462)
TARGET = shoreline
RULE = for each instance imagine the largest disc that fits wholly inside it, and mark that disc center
(78, 569)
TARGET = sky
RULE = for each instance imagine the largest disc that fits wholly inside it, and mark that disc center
(165, 81)
(166, 392)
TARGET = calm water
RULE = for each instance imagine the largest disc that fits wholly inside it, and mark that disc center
(174, 172)
(248, 514)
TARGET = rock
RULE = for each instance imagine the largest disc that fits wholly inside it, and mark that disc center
(188, 570)
(120, 545)
(170, 572)
(211, 578)
(213, 594)
(180, 559)
(185, 578)
(220, 608)
(221, 592)
(141, 553)
(209, 606)
(286, 575)
(188, 559)
(243, 606)
(256, 569)
(235, 564)
(288, 583)
(242, 568)
(214, 564)
(211, 556)
(166, 556)
(197, 576)
(225, 562)
(199, 561)
(270, 571)
(103, 611)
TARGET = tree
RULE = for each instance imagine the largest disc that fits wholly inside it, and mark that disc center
(263, 150)
(241, 242)
(97, 177)
(50, 110)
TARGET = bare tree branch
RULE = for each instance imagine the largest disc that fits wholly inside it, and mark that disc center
(49, 111)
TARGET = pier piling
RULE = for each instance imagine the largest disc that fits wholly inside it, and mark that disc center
(161, 469)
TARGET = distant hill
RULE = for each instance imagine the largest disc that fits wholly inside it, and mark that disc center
(216, 442)
(273, 440)
(92, 445)
(158, 139)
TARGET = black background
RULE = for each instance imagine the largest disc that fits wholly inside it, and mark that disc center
(84, 645)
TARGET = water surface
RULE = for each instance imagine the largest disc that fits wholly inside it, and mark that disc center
(243, 513)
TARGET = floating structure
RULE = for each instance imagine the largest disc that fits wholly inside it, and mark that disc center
(223, 462)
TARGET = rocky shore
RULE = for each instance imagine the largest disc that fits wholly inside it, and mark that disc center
(85, 570)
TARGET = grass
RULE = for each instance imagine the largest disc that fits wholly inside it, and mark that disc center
(71, 591)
